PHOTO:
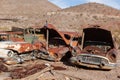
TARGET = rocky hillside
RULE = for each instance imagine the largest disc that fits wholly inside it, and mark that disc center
(23, 13)
(84, 15)
(94, 8)
(26, 7)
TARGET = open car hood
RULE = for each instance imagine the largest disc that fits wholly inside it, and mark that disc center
(97, 35)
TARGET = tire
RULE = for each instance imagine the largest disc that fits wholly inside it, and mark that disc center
(11, 54)
(34, 54)
(15, 56)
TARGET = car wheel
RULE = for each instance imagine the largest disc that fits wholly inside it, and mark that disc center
(19, 59)
(11, 54)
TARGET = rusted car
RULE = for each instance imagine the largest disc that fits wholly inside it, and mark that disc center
(10, 35)
(14, 48)
(97, 49)
(55, 44)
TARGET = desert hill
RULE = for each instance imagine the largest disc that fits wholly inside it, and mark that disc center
(23, 13)
(26, 7)
(86, 14)
(94, 8)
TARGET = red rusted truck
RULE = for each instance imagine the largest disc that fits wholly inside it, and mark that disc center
(55, 44)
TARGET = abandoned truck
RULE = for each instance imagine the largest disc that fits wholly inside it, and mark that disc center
(13, 47)
(55, 44)
(97, 49)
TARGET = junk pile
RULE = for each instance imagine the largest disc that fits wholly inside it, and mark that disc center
(22, 72)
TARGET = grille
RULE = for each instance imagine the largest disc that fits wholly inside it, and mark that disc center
(91, 59)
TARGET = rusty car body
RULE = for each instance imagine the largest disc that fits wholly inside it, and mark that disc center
(10, 35)
(97, 49)
(55, 44)
(13, 47)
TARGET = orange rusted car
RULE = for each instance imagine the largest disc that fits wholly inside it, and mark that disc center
(14, 48)
(97, 49)
(55, 44)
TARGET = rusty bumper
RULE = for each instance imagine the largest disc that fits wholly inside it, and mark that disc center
(101, 62)
(53, 54)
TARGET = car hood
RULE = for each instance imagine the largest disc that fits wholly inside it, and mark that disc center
(98, 35)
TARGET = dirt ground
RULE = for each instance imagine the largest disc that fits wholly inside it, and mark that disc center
(65, 71)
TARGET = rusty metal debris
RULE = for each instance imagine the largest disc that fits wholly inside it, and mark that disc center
(25, 71)
(97, 49)
(58, 68)
(3, 67)
(55, 44)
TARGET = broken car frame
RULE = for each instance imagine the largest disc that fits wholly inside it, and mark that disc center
(14, 47)
(55, 44)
